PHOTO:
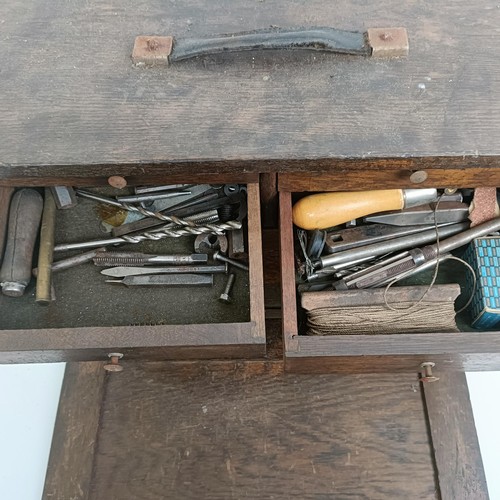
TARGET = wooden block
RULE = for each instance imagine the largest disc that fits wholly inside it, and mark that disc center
(375, 296)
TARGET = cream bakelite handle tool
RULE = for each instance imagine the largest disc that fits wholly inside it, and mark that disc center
(324, 210)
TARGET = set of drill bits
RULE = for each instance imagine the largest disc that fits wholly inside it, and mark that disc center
(211, 215)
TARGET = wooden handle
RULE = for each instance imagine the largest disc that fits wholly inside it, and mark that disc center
(320, 211)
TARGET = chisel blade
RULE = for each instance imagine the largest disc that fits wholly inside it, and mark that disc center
(448, 212)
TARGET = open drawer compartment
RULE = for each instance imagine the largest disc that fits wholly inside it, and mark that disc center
(91, 318)
(372, 353)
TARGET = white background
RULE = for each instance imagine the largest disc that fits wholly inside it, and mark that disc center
(29, 399)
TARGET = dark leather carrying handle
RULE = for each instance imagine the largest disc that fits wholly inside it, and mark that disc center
(322, 39)
(377, 42)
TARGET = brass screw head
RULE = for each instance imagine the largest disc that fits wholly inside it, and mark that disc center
(114, 365)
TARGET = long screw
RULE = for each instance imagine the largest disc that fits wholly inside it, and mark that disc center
(149, 213)
(235, 263)
(224, 296)
(427, 375)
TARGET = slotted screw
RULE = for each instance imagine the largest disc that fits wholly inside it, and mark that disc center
(224, 296)
(235, 263)
(427, 375)
(114, 364)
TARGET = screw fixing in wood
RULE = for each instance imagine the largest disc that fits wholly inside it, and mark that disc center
(114, 364)
(427, 375)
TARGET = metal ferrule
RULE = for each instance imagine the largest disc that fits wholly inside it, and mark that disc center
(415, 197)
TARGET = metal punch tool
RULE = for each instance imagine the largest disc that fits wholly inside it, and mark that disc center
(173, 280)
(122, 272)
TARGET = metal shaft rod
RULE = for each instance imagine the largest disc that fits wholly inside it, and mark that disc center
(139, 198)
(46, 252)
(235, 263)
(376, 249)
(74, 261)
(154, 189)
(413, 259)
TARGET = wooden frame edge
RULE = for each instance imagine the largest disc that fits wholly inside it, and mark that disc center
(74, 442)
(454, 439)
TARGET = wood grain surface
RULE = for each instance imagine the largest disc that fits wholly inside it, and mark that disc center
(454, 439)
(70, 96)
(288, 293)
(353, 179)
(5, 196)
(231, 340)
(69, 472)
(256, 271)
(246, 430)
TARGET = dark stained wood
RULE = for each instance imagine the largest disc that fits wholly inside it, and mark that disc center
(454, 439)
(227, 340)
(272, 275)
(5, 196)
(387, 363)
(69, 472)
(71, 97)
(269, 199)
(462, 351)
(140, 175)
(353, 180)
(246, 430)
(256, 271)
(288, 294)
(403, 343)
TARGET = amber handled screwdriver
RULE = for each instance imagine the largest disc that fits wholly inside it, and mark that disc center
(43, 293)
(24, 221)
(324, 210)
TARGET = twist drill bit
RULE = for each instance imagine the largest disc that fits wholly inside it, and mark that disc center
(150, 213)
(153, 236)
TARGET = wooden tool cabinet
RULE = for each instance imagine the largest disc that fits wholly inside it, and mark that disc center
(75, 111)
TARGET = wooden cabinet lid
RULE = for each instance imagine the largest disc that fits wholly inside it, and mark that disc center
(71, 96)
